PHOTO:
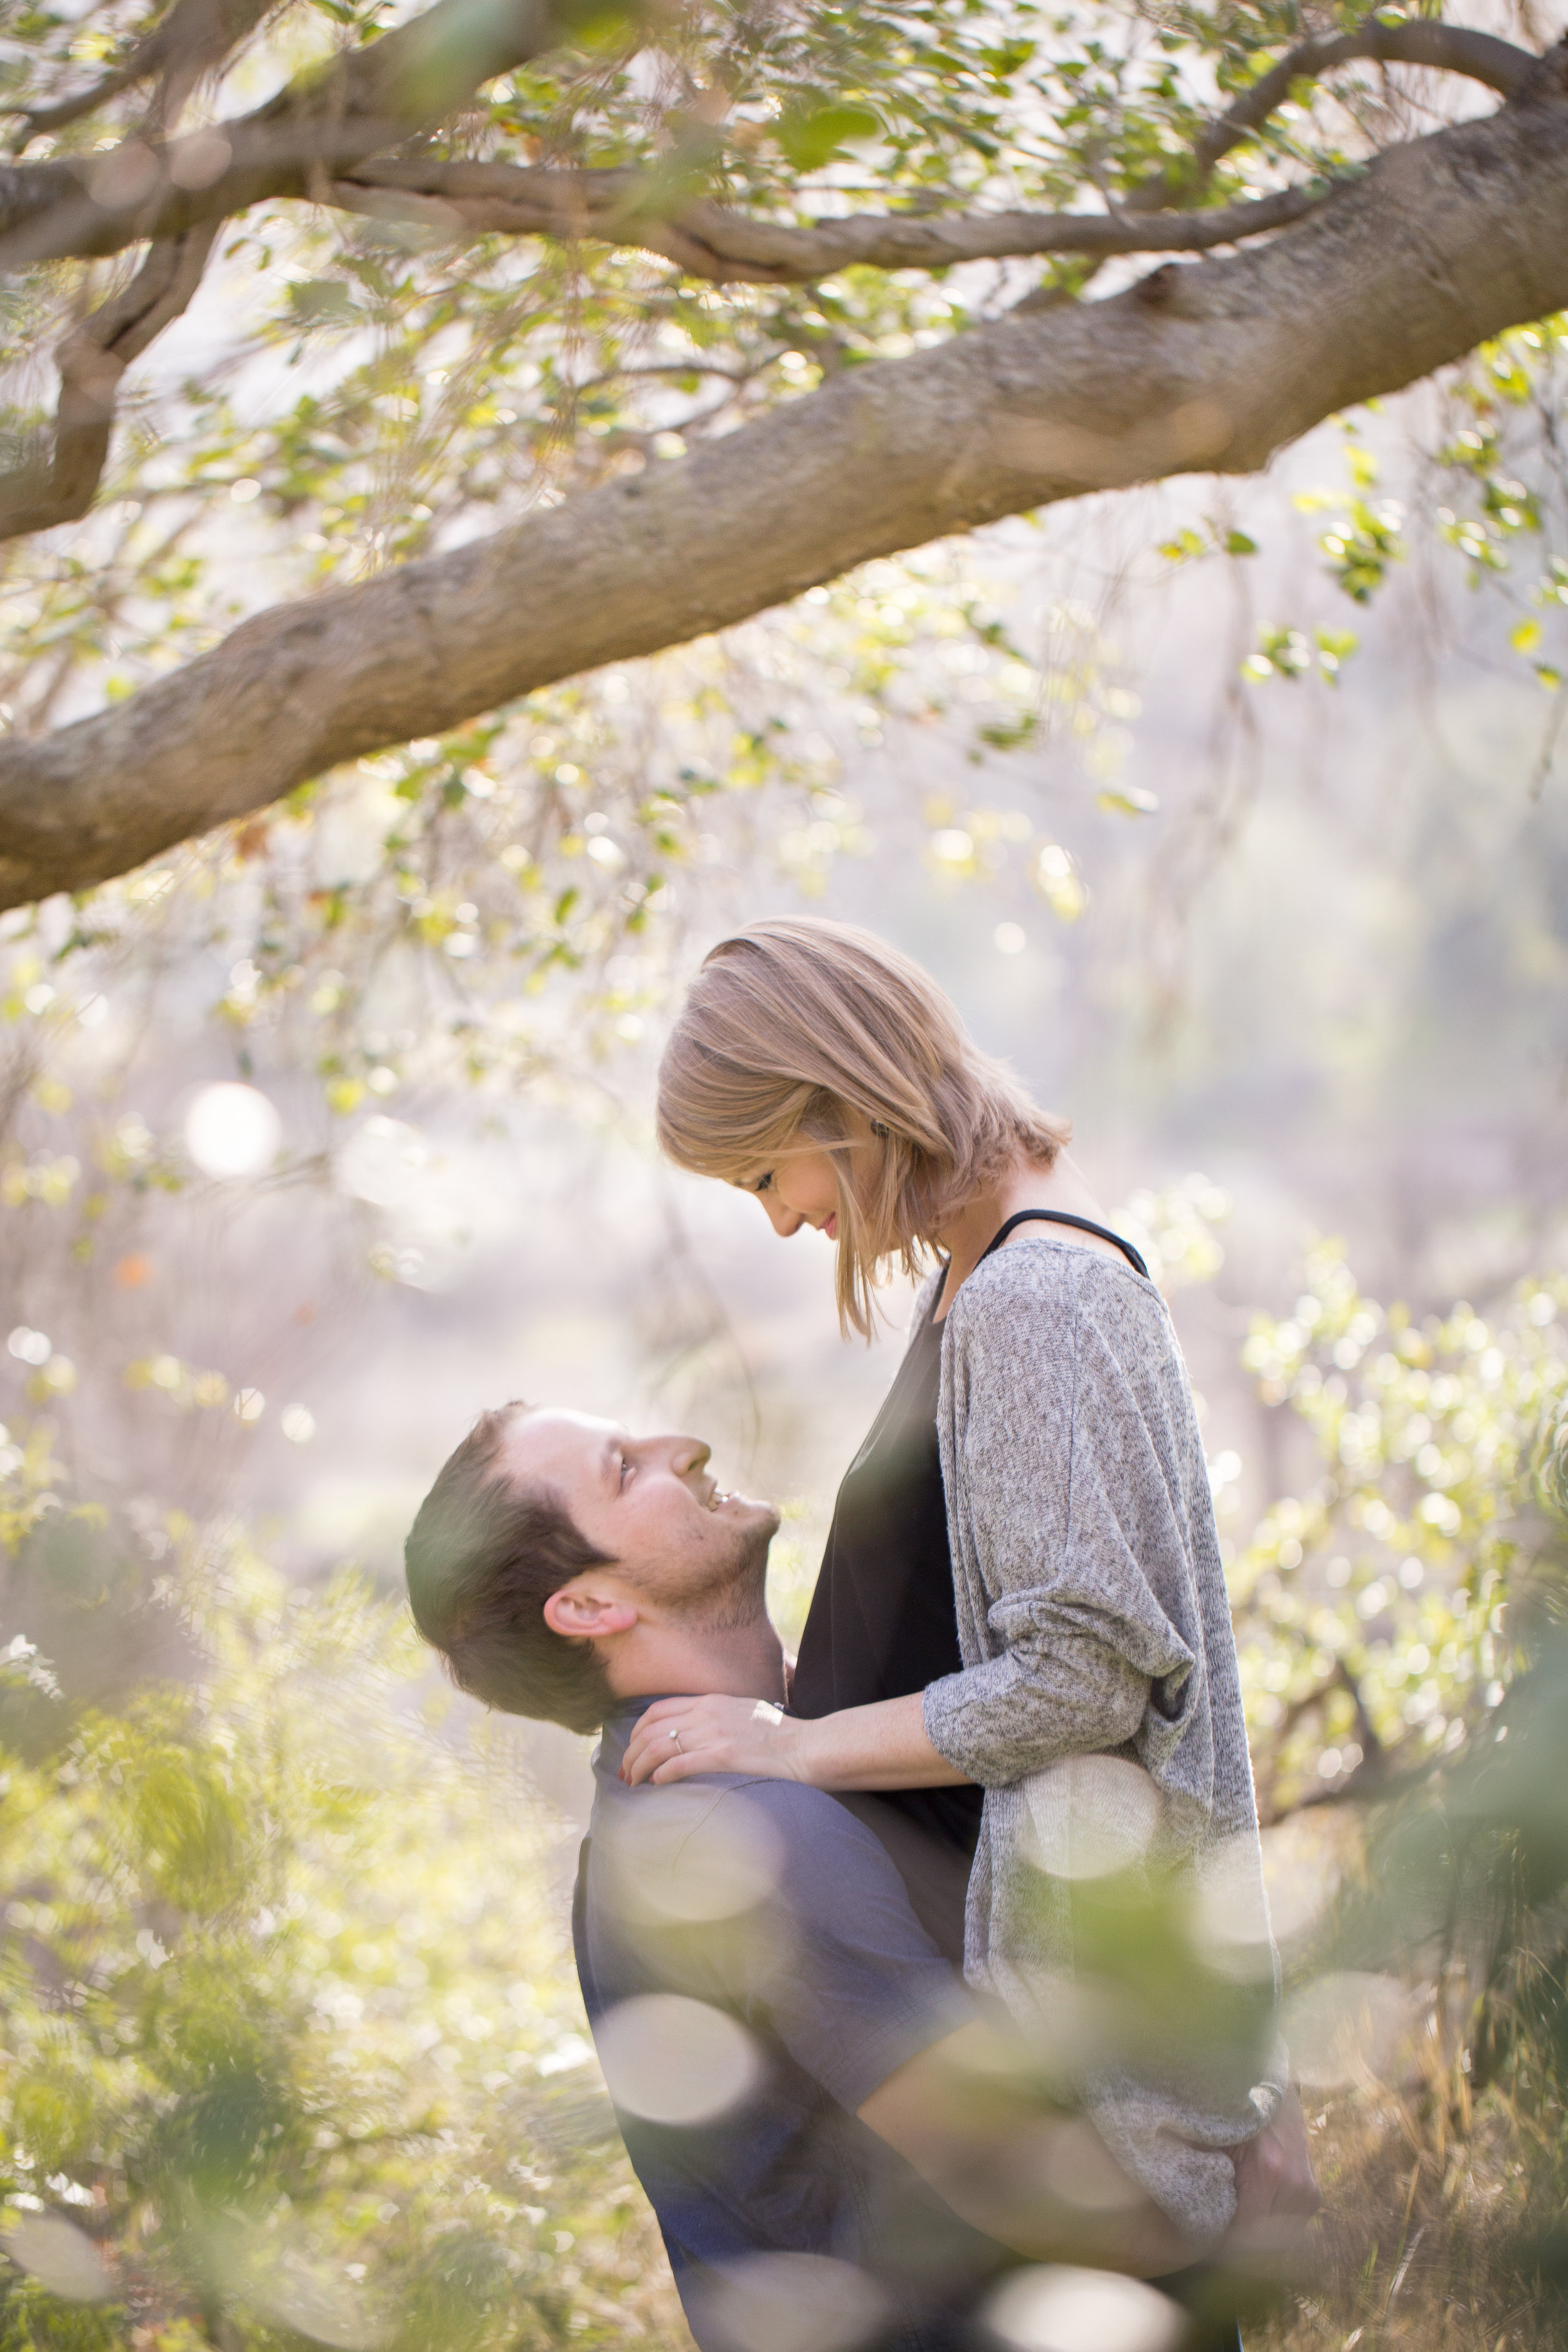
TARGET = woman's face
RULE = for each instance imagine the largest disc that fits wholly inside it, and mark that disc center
(802, 1190)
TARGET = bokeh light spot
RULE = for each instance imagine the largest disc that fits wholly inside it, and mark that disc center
(793, 2303)
(684, 1857)
(674, 2061)
(1090, 1815)
(1058, 2309)
(232, 1130)
(60, 2256)
(1348, 2028)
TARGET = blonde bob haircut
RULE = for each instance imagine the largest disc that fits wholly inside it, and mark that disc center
(797, 1034)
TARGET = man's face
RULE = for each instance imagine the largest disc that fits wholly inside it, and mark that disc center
(648, 1502)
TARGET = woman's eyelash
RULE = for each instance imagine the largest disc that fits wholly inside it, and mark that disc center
(765, 1183)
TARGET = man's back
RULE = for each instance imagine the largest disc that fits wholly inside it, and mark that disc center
(752, 1971)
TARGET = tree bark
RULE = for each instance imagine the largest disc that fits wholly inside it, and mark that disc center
(728, 247)
(1205, 367)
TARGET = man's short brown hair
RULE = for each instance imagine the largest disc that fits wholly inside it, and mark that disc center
(483, 1559)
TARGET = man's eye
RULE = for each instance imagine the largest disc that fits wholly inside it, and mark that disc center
(625, 1469)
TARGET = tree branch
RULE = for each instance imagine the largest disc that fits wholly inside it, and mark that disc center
(193, 39)
(363, 102)
(92, 359)
(1209, 367)
(711, 241)
(1449, 48)
(317, 138)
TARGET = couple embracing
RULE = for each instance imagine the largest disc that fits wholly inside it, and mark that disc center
(837, 1923)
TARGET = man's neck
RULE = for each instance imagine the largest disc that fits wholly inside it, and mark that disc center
(663, 1661)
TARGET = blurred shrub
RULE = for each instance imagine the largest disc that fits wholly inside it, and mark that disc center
(292, 2038)
(1381, 1612)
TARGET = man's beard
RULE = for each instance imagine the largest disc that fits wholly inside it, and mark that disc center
(734, 1597)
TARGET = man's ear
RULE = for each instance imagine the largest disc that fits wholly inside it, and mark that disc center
(583, 1615)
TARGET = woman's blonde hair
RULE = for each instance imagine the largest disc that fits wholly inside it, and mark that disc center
(794, 1023)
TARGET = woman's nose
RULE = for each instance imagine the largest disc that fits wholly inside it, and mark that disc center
(784, 1221)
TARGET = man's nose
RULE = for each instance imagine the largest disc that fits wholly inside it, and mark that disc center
(687, 1455)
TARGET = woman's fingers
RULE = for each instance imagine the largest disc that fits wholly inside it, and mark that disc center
(680, 1737)
(656, 1738)
(680, 1767)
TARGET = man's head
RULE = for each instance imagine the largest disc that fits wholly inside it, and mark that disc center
(560, 1564)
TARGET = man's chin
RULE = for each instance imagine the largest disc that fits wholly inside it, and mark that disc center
(745, 1511)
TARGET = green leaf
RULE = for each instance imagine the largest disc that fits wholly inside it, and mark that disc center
(320, 298)
(1237, 543)
(811, 133)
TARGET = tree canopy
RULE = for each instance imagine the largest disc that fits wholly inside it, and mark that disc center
(414, 364)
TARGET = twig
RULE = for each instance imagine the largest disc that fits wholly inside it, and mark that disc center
(92, 359)
(1450, 48)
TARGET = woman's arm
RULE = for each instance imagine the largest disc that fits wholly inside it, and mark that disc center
(879, 1746)
(1067, 1533)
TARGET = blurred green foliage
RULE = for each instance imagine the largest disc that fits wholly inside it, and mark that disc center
(291, 2029)
(1382, 1610)
(292, 2046)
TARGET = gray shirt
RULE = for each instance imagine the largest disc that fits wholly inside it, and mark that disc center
(1099, 1706)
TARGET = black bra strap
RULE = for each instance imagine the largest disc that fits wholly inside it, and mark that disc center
(1062, 1217)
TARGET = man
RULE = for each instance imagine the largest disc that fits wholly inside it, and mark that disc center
(799, 2073)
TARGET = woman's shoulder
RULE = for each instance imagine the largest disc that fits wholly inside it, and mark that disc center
(1047, 1292)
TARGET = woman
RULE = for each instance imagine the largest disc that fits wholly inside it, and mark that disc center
(1021, 1624)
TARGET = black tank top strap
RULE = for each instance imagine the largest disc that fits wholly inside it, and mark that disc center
(1064, 1217)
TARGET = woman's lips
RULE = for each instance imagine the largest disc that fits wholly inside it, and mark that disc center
(830, 1226)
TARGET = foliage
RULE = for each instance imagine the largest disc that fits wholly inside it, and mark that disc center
(1488, 485)
(291, 2032)
(292, 2040)
(381, 390)
(1382, 1610)
(503, 904)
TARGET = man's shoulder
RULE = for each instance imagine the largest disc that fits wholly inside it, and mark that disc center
(725, 1841)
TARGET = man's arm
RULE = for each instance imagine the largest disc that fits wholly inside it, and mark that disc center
(1045, 2186)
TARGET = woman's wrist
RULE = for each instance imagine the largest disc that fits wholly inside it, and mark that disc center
(809, 1748)
(879, 1746)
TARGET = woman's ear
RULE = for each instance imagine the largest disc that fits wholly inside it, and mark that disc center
(581, 1614)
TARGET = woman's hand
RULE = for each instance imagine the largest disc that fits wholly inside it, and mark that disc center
(1277, 2190)
(678, 1737)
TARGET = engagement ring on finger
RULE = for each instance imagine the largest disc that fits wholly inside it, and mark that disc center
(675, 1737)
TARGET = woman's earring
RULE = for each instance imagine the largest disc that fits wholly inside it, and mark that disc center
(878, 1130)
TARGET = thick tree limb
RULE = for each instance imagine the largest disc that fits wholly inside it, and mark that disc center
(1212, 366)
(92, 359)
(363, 102)
(709, 240)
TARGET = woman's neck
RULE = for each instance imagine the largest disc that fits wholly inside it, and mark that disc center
(965, 1237)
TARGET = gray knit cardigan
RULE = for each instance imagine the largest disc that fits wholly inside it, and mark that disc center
(1099, 1705)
